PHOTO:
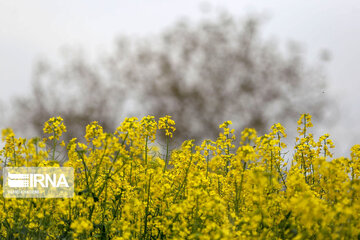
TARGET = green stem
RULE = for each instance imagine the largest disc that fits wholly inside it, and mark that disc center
(147, 209)
(167, 153)
(54, 146)
(146, 154)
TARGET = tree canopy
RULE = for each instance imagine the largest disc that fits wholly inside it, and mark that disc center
(200, 73)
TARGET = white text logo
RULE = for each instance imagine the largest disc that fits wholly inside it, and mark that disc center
(35, 180)
(38, 182)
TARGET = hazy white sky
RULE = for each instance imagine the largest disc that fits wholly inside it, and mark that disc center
(35, 29)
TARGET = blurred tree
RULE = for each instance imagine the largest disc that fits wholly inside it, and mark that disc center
(202, 74)
(77, 91)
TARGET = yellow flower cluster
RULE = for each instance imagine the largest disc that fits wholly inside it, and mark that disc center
(167, 124)
(127, 187)
(55, 126)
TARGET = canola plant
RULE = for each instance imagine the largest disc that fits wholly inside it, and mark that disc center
(233, 187)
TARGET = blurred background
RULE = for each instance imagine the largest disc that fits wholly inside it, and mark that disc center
(202, 62)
